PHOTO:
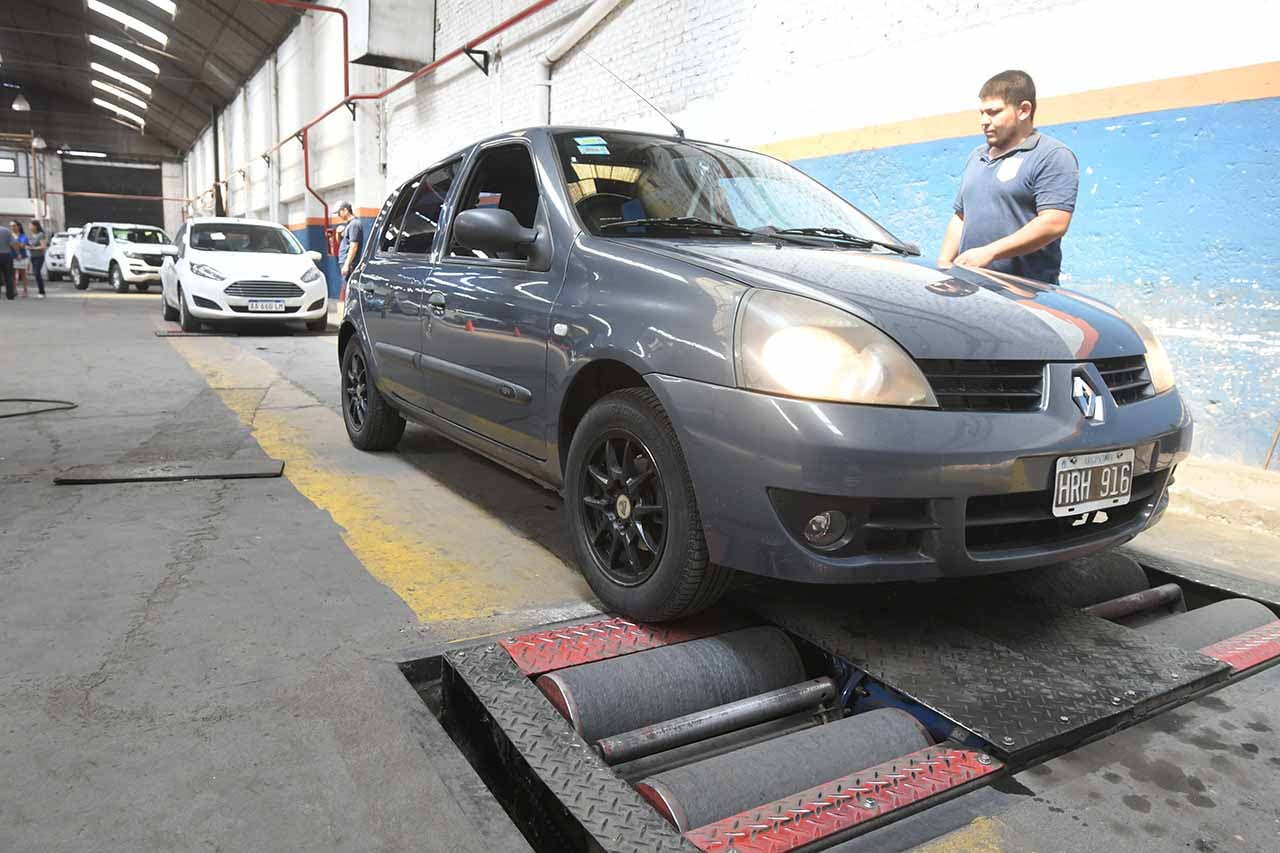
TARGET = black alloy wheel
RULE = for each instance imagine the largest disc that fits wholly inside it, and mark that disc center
(372, 424)
(355, 390)
(623, 509)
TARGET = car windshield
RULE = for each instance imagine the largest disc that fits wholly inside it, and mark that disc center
(667, 187)
(236, 237)
(140, 235)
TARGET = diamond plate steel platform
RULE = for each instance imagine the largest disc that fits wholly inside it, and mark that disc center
(1024, 675)
(603, 805)
(557, 648)
(1223, 582)
(840, 805)
(1247, 650)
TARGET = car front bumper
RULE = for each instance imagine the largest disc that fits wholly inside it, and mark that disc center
(311, 305)
(936, 494)
(55, 264)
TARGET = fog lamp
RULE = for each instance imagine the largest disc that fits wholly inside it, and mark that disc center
(826, 528)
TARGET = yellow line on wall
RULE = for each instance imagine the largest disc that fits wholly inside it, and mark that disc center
(1249, 83)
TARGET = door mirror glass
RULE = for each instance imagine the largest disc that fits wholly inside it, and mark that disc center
(491, 230)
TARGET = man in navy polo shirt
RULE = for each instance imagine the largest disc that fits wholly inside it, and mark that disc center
(1017, 192)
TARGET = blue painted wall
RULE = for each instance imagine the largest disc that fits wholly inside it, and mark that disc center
(312, 238)
(1178, 221)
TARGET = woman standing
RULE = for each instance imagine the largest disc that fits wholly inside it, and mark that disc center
(39, 243)
(21, 257)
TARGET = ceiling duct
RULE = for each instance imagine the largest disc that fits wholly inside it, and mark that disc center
(392, 33)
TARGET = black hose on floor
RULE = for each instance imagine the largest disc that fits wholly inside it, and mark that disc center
(58, 406)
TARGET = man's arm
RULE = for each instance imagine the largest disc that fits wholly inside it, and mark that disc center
(951, 241)
(1047, 226)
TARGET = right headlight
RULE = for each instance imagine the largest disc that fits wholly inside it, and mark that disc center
(797, 347)
(1158, 364)
(206, 271)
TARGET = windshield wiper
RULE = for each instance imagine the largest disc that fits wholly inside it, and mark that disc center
(691, 223)
(846, 237)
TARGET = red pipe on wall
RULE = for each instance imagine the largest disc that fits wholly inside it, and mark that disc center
(346, 51)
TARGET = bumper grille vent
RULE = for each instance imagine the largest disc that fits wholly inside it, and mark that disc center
(972, 385)
(1127, 377)
(263, 289)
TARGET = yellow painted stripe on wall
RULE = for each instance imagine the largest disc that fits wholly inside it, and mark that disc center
(1249, 83)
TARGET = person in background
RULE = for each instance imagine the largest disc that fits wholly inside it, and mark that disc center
(38, 243)
(21, 256)
(352, 239)
(9, 246)
(1017, 192)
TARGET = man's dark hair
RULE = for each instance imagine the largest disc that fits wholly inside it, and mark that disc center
(1012, 87)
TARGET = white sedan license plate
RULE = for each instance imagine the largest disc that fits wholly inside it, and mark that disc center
(1092, 481)
(266, 305)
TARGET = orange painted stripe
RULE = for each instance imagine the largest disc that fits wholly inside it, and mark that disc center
(370, 212)
(1249, 83)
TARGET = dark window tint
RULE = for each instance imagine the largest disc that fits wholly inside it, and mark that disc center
(391, 227)
(423, 219)
(503, 177)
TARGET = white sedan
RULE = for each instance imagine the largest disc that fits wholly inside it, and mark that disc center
(242, 270)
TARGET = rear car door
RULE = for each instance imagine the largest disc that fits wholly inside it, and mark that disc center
(485, 333)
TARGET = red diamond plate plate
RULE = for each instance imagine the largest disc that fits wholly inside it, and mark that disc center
(843, 803)
(544, 651)
(1248, 649)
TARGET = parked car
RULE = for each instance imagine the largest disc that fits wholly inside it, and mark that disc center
(57, 259)
(122, 253)
(722, 365)
(245, 270)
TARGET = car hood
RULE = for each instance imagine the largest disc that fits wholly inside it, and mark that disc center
(957, 313)
(253, 266)
(149, 248)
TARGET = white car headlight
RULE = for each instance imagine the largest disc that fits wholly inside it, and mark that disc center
(134, 255)
(1158, 364)
(206, 271)
(797, 347)
(311, 275)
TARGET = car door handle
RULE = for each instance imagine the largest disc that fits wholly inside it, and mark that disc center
(436, 300)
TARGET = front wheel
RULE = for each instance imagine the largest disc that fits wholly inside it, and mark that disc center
(167, 311)
(371, 422)
(142, 286)
(633, 514)
(117, 279)
(78, 276)
(319, 324)
(188, 322)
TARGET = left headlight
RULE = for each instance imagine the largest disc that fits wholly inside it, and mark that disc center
(798, 347)
(311, 275)
(1158, 364)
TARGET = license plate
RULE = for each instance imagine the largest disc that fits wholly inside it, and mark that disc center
(266, 305)
(1092, 481)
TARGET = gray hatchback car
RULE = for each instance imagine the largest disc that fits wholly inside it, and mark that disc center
(723, 366)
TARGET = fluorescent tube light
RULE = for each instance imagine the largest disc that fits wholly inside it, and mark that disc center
(120, 111)
(119, 51)
(123, 78)
(167, 6)
(68, 152)
(129, 21)
(119, 93)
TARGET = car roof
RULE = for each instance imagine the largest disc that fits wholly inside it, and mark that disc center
(121, 225)
(231, 220)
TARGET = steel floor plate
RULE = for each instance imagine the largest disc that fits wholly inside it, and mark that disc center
(161, 472)
(1025, 675)
(1224, 582)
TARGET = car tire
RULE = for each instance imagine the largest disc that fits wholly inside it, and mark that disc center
(167, 311)
(142, 286)
(654, 574)
(371, 422)
(116, 277)
(78, 276)
(188, 322)
(319, 324)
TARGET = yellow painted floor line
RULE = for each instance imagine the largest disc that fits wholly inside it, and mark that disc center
(982, 835)
(445, 557)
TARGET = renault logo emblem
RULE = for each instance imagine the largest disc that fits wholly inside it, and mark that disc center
(1087, 399)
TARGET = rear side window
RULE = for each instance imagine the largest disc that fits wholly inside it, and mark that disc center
(391, 230)
(423, 219)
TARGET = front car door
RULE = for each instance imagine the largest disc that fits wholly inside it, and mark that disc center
(93, 253)
(485, 333)
(169, 268)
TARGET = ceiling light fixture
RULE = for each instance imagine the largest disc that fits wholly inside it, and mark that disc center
(123, 78)
(140, 61)
(21, 104)
(121, 111)
(167, 6)
(69, 152)
(129, 22)
(119, 93)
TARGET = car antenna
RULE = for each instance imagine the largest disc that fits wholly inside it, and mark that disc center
(679, 130)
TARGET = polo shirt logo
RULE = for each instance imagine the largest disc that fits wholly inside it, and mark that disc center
(1009, 169)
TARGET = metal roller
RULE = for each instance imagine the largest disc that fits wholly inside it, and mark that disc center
(719, 787)
(1167, 595)
(636, 690)
(1205, 626)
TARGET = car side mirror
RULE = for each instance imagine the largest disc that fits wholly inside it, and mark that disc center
(315, 256)
(491, 230)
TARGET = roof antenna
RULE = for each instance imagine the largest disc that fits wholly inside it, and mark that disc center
(679, 130)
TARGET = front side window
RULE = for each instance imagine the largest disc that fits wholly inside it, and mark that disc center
(615, 179)
(423, 219)
(503, 177)
(150, 236)
(243, 237)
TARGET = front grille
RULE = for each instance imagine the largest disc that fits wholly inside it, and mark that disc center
(976, 385)
(263, 289)
(1127, 378)
(151, 260)
(1026, 519)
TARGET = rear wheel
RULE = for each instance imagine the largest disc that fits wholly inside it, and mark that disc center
(117, 279)
(167, 311)
(371, 422)
(633, 513)
(78, 276)
(185, 319)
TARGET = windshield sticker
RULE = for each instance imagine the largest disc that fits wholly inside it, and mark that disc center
(217, 235)
(594, 146)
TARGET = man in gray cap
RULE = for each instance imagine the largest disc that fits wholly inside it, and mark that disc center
(352, 238)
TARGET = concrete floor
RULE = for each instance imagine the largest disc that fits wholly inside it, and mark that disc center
(202, 665)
